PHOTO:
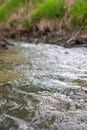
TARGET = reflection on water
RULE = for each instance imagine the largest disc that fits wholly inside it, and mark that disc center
(43, 87)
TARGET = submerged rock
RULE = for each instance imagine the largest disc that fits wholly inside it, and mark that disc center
(80, 40)
(5, 46)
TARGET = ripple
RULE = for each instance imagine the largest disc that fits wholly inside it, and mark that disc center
(44, 88)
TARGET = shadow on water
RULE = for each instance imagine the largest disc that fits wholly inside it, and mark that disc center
(43, 88)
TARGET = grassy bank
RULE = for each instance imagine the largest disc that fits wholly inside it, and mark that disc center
(48, 10)
(7, 7)
(79, 12)
(70, 12)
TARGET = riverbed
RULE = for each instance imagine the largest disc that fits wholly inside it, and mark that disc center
(43, 87)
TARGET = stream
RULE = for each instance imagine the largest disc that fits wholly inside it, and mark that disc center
(43, 87)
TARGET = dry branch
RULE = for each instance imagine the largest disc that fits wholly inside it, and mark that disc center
(73, 37)
(4, 39)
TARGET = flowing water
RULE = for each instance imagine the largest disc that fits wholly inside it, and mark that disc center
(43, 87)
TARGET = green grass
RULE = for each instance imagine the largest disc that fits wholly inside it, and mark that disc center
(36, 2)
(79, 12)
(49, 9)
(8, 7)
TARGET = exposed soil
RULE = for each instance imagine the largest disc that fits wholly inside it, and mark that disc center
(34, 35)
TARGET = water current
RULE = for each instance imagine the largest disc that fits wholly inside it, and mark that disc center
(43, 87)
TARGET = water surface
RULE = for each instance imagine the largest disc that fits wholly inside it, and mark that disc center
(43, 87)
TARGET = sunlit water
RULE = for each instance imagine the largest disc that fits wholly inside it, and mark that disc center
(43, 87)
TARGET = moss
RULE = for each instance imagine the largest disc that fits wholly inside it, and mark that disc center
(61, 79)
(25, 24)
(80, 82)
(14, 23)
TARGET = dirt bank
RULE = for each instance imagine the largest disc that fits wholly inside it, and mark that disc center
(20, 26)
(66, 38)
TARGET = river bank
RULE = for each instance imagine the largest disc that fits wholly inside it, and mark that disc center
(62, 22)
(62, 38)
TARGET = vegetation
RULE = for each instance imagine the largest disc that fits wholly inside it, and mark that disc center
(45, 9)
(49, 9)
(79, 12)
(8, 7)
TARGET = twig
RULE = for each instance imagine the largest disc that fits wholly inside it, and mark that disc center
(73, 38)
(7, 41)
(84, 35)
